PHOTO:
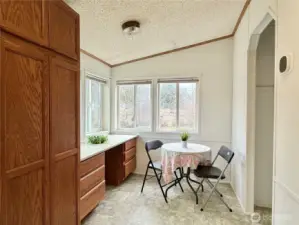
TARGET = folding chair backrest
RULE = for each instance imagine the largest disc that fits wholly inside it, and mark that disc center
(226, 154)
(153, 145)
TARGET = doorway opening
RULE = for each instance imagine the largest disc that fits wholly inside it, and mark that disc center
(260, 118)
(264, 120)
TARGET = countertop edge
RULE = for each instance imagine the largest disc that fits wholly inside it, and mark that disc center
(108, 148)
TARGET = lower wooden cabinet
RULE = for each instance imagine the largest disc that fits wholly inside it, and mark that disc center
(130, 166)
(91, 180)
(111, 167)
(120, 162)
(91, 164)
(92, 183)
(129, 154)
(89, 201)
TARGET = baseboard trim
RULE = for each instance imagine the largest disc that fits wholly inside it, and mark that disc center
(263, 205)
(239, 200)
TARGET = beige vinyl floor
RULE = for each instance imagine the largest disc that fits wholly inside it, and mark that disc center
(125, 205)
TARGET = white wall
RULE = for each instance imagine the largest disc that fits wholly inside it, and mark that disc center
(286, 122)
(265, 65)
(212, 63)
(252, 18)
(90, 65)
(287, 119)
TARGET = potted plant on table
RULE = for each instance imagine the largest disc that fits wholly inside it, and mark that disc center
(184, 138)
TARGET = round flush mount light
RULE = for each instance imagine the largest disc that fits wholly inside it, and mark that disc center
(131, 27)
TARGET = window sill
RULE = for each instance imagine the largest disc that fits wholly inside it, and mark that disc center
(177, 132)
(130, 131)
(133, 130)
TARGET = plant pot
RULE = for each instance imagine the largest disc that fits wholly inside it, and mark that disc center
(184, 144)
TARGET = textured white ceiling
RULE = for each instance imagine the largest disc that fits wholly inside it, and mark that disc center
(165, 25)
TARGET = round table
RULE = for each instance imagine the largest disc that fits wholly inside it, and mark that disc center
(175, 156)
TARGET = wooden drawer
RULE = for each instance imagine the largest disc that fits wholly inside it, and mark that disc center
(130, 167)
(91, 164)
(91, 180)
(130, 144)
(129, 154)
(89, 201)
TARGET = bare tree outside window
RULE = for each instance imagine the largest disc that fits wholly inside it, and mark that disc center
(126, 106)
(134, 106)
(177, 106)
(93, 106)
(187, 106)
(167, 107)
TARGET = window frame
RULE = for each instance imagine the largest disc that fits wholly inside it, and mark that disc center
(102, 81)
(177, 81)
(135, 83)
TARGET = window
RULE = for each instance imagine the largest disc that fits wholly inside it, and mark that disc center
(134, 105)
(94, 104)
(177, 105)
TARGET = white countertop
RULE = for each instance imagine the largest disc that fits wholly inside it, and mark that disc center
(89, 150)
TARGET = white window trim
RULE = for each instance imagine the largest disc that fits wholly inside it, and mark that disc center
(90, 75)
(197, 104)
(155, 108)
(134, 82)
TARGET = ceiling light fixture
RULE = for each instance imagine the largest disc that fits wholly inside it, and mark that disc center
(131, 27)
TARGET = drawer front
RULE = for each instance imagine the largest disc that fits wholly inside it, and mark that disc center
(89, 201)
(91, 180)
(92, 164)
(130, 144)
(129, 154)
(130, 167)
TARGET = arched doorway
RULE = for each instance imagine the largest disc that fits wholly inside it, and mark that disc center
(260, 114)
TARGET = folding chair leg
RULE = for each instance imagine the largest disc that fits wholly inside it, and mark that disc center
(210, 194)
(144, 179)
(212, 186)
(225, 204)
(207, 200)
(179, 181)
(215, 190)
(165, 198)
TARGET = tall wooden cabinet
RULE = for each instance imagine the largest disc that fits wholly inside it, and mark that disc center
(39, 113)
(64, 141)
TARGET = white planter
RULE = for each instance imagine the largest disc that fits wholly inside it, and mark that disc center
(184, 144)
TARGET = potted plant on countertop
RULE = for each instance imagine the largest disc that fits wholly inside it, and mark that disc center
(97, 139)
(184, 138)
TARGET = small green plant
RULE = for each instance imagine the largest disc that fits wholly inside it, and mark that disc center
(97, 139)
(185, 136)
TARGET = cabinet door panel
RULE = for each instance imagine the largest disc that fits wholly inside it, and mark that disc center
(65, 140)
(24, 150)
(26, 192)
(64, 190)
(28, 19)
(64, 29)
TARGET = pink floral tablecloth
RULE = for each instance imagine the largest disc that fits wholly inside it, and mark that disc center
(175, 156)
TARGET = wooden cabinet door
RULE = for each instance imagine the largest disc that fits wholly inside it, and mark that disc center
(64, 140)
(64, 29)
(27, 19)
(24, 133)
